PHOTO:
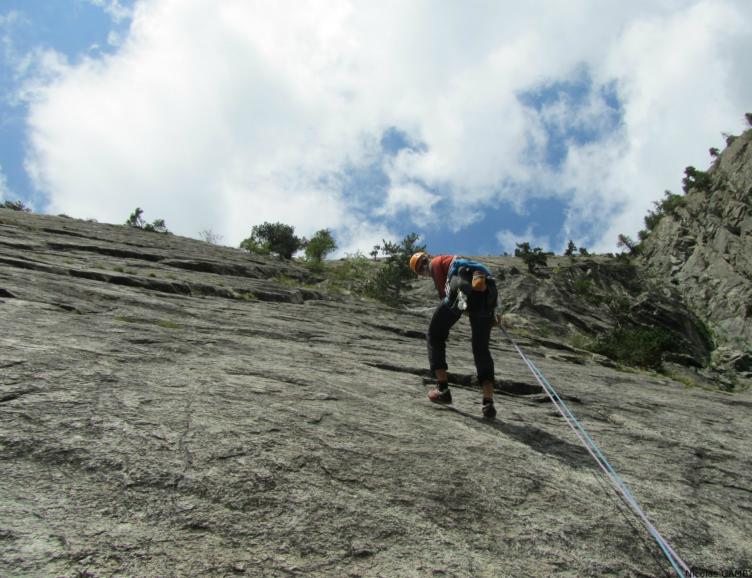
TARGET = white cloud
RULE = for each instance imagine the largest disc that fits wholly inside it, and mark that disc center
(358, 236)
(35, 72)
(114, 38)
(508, 240)
(412, 198)
(223, 115)
(114, 8)
(8, 21)
(676, 75)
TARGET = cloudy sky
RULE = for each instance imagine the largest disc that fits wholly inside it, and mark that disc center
(476, 124)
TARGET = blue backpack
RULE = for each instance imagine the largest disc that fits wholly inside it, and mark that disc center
(474, 280)
(461, 266)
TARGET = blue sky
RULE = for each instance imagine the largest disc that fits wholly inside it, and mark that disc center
(477, 125)
(76, 29)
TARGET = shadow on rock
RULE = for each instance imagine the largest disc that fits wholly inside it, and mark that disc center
(537, 439)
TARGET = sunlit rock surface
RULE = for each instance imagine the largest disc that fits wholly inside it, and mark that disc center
(173, 408)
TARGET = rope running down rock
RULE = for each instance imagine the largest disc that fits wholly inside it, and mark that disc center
(678, 564)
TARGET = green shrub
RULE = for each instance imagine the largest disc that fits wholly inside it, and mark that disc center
(672, 202)
(730, 138)
(319, 246)
(393, 275)
(350, 274)
(253, 246)
(694, 179)
(276, 238)
(619, 306)
(626, 242)
(533, 258)
(136, 221)
(641, 347)
(652, 219)
(15, 206)
(158, 226)
(583, 286)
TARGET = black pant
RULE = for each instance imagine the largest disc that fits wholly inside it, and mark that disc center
(481, 323)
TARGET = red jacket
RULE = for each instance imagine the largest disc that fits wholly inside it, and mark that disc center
(439, 271)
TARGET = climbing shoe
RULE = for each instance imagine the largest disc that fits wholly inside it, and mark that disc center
(440, 394)
(489, 411)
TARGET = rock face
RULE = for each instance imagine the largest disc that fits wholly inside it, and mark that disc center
(704, 248)
(174, 408)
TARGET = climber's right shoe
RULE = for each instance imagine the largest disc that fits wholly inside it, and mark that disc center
(440, 394)
(489, 411)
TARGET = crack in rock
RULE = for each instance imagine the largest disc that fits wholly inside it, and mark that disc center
(4, 398)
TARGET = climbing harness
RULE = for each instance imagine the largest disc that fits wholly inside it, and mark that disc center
(677, 563)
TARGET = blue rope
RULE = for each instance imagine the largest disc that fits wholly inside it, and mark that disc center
(677, 563)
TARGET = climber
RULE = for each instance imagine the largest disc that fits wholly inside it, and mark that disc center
(463, 285)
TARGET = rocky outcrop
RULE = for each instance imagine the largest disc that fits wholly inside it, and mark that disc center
(174, 408)
(704, 249)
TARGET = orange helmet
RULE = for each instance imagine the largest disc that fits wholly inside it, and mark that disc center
(416, 260)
